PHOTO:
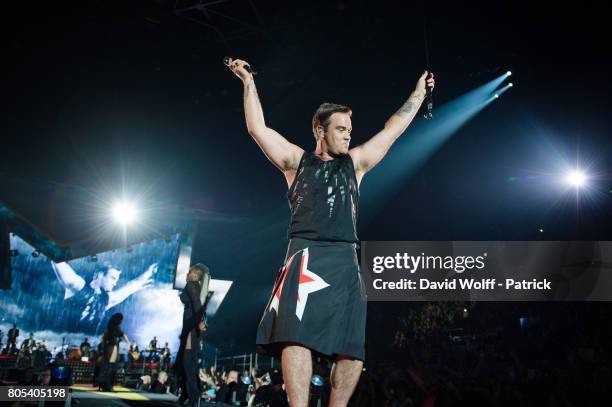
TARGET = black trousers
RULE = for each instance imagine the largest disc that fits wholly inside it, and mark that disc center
(189, 376)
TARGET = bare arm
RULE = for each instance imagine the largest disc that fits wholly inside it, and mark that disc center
(119, 295)
(68, 278)
(367, 155)
(142, 281)
(283, 154)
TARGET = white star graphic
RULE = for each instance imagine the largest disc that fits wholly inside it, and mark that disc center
(309, 283)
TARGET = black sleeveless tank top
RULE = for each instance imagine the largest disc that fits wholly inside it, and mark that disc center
(323, 200)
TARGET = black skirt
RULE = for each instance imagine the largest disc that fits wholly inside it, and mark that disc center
(318, 301)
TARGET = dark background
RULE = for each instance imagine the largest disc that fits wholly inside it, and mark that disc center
(108, 98)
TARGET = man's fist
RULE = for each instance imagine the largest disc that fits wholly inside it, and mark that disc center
(426, 80)
(237, 67)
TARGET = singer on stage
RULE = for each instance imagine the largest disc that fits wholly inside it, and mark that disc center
(191, 335)
(318, 302)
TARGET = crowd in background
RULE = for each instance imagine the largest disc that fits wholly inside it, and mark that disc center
(446, 354)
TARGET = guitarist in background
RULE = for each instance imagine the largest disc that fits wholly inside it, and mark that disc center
(153, 344)
(29, 344)
(153, 352)
(84, 348)
(193, 298)
(165, 356)
(24, 357)
(133, 353)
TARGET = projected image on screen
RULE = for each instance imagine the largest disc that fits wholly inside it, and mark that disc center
(76, 298)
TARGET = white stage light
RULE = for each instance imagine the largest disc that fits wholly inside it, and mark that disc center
(124, 213)
(576, 178)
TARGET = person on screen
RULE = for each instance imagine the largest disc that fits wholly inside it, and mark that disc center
(96, 296)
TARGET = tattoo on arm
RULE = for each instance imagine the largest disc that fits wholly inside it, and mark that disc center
(251, 88)
(411, 104)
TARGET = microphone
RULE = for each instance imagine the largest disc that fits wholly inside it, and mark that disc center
(429, 99)
(247, 68)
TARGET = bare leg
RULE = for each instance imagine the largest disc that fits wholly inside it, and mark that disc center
(344, 377)
(297, 370)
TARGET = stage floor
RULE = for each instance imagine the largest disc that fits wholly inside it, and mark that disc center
(88, 396)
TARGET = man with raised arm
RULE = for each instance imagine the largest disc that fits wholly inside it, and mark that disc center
(318, 302)
(92, 298)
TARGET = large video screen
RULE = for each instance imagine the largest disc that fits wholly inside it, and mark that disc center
(72, 300)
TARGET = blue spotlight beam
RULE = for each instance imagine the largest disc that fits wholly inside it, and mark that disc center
(412, 150)
(503, 90)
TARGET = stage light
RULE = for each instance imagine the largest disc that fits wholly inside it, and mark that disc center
(496, 96)
(541, 230)
(510, 84)
(317, 380)
(124, 213)
(508, 73)
(575, 178)
(410, 153)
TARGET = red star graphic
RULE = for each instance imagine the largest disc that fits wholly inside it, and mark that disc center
(278, 286)
(308, 282)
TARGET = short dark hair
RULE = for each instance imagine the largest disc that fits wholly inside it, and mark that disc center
(323, 114)
(104, 267)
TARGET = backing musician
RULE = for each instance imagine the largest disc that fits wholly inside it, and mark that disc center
(165, 355)
(133, 353)
(153, 352)
(11, 340)
(84, 348)
(29, 344)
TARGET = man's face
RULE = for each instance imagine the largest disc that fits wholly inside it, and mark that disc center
(110, 279)
(337, 136)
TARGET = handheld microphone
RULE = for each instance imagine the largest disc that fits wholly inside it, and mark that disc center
(247, 68)
(429, 99)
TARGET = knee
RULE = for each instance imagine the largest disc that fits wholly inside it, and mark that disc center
(349, 361)
(295, 350)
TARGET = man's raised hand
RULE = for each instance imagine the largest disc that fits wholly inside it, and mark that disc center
(237, 66)
(426, 80)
